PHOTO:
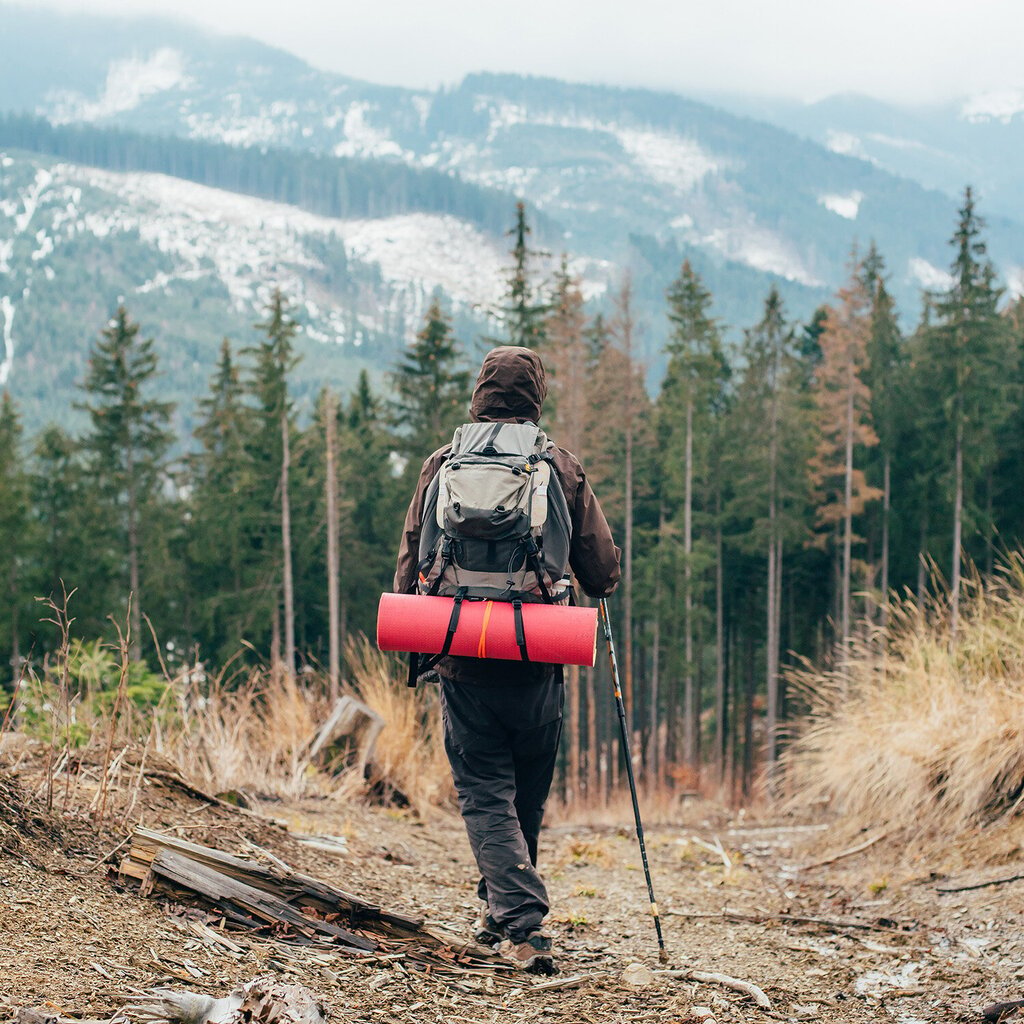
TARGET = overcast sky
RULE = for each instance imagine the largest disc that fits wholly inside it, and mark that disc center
(907, 50)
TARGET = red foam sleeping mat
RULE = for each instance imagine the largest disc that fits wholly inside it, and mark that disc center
(558, 634)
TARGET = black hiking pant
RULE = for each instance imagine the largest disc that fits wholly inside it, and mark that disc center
(502, 742)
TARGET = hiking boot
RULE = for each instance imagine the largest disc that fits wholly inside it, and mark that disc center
(488, 932)
(532, 954)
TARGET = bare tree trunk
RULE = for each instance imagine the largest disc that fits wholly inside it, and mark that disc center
(593, 743)
(626, 314)
(573, 775)
(958, 514)
(886, 505)
(333, 595)
(689, 698)
(653, 751)
(286, 552)
(135, 611)
(844, 608)
(720, 723)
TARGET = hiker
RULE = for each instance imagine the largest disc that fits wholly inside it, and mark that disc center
(503, 719)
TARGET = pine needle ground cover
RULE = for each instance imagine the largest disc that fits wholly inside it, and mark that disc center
(920, 732)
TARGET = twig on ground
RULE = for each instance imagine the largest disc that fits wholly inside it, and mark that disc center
(1002, 880)
(825, 922)
(867, 844)
(737, 984)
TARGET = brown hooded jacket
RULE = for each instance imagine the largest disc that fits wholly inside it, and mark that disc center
(511, 388)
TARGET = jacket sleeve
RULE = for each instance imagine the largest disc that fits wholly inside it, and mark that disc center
(409, 551)
(593, 555)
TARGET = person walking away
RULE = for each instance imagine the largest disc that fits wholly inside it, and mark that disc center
(503, 719)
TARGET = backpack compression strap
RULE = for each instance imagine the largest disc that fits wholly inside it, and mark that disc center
(416, 666)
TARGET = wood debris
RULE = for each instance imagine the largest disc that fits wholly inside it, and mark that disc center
(289, 905)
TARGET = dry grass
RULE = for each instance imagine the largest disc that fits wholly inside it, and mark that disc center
(409, 756)
(234, 732)
(916, 732)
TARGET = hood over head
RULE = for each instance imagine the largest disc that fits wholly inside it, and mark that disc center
(511, 385)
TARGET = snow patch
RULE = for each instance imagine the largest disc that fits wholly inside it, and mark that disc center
(435, 251)
(129, 82)
(671, 160)
(844, 143)
(254, 241)
(7, 310)
(999, 105)
(363, 138)
(1015, 282)
(844, 205)
(30, 201)
(761, 249)
(928, 275)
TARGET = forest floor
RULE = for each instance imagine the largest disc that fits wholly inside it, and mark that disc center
(885, 944)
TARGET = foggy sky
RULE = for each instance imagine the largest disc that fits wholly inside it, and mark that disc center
(905, 50)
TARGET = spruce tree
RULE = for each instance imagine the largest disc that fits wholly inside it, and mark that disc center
(967, 361)
(127, 444)
(884, 376)
(222, 555)
(843, 405)
(522, 312)
(691, 398)
(270, 457)
(432, 391)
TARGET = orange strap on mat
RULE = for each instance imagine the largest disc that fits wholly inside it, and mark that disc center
(481, 650)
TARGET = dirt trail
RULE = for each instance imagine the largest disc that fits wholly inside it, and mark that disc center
(78, 943)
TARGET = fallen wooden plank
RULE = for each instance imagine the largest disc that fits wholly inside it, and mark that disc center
(217, 887)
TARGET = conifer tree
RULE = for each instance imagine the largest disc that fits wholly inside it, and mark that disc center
(127, 444)
(966, 358)
(884, 377)
(768, 453)
(225, 563)
(523, 312)
(432, 391)
(843, 404)
(270, 455)
(692, 394)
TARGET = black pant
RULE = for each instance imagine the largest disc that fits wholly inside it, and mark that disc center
(502, 742)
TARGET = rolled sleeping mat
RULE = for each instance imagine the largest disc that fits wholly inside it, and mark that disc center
(555, 634)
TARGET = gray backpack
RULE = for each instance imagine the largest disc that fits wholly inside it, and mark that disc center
(496, 524)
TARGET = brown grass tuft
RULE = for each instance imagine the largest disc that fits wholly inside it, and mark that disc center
(409, 758)
(917, 732)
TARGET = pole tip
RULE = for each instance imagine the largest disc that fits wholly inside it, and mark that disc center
(663, 955)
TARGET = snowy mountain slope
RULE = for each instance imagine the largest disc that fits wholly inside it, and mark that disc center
(977, 140)
(619, 178)
(202, 263)
(606, 164)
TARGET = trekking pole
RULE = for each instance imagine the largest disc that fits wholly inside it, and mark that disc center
(606, 623)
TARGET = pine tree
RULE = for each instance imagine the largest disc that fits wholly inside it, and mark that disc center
(127, 444)
(432, 392)
(270, 455)
(767, 460)
(884, 377)
(843, 404)
(692, 395)
(967, 353)
(522, 312)
(224, 561)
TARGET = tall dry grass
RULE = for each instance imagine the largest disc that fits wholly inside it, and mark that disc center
(409, 757)
(237, 731)
(920, 731)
